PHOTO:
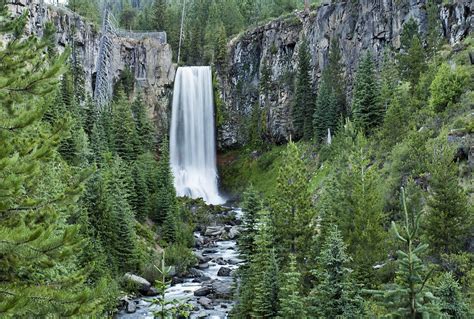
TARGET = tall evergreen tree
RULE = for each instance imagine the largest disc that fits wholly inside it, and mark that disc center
(165, 196)
(412, 56)
(409, 296)
(337, 80)
(265, 271)
(35, 240)
(325, 115)
(292, 208)
(449, 215)
(251, 206)
(291, 301)
(159, 15)
(303, 107)
(115, 217)
(367, 110)
(145, 131)
(335, 295)
(123, 128)
(452, 302)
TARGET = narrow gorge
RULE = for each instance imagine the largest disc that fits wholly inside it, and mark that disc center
(220, 159)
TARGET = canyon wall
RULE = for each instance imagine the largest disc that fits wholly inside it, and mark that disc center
(147, 55)
(359, 25)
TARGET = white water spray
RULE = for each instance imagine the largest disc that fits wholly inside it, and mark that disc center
(192, 136)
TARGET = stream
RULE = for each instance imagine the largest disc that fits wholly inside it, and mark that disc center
(208, 286)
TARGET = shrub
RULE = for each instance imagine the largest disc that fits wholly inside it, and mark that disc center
(447, 86)
(181, 257)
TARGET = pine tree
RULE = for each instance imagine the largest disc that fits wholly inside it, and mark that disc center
(326, 113)
(434, 35)
(123, 129)
(265, 271)
(166, 194)
(396, 123)
(141, 193)
(251, 206)
(159, 13)
(335, 295)
(145, 131)
(452, 302)
(367, 110)
(303, 107)
(449, 215)
(291, 301)
(35, 240)
(412, 56)
(409, 296)
(49, 37)
(337, 80)
(116, 220)
(292, 209)
(389, 78)
(362, 224)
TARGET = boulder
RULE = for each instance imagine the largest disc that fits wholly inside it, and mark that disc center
(202, 259)
(209, 251)
(234, 232)
(220, 261)
(202, 279)
(222, 289)
(130, 307)
(203, 266)
(214, 230)
(234, 261)
(206, 303)
(194, 273)
(176, 280)
(204, 291)
(224, 272)
(141, 283)
(152, 292)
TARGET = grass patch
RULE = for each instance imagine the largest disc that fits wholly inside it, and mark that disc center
(240, 168)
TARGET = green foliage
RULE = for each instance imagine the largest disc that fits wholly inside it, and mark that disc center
(159, 15)
(367, 110)
(303, 107)
(39, 275)
(412, 57)
(265, 271)
(396, 124)
(291, 302)
(409, 296)
(449, 216)
(337, 81)
(325, 115)
(88, 9)
(334, 295)
(168, 308)
(447, 86)
(125, 135)
(165, 196)
(251, 206)
(451, 300)
(292, 209)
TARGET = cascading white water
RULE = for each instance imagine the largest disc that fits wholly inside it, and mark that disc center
(192, 136)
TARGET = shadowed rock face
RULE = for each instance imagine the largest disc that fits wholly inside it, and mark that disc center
(148, 56)
(369, 24)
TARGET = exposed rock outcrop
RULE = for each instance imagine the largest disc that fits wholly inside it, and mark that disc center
(147, 55)
(359, 25)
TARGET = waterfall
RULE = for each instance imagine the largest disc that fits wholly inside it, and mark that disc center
(192, 136)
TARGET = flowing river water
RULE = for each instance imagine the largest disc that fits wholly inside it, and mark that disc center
(203, 281)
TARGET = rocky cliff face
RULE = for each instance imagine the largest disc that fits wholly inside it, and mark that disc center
(147, 55)
(359, 25)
